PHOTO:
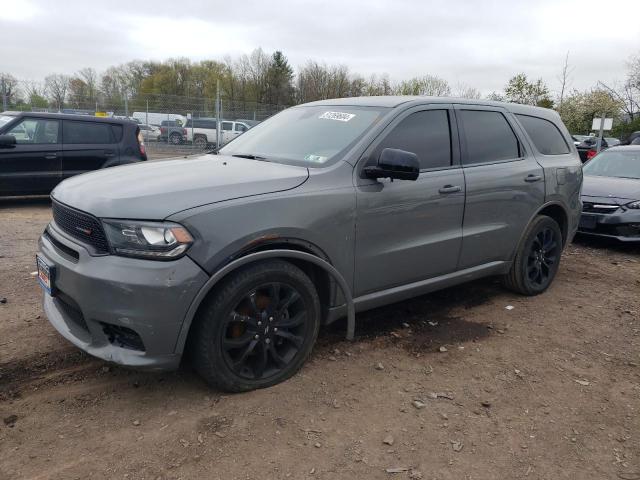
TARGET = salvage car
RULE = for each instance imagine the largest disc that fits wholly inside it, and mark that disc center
(39, 150)
(323, 210)
(611, 194)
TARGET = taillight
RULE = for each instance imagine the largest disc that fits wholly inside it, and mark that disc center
(591, 153)
(143, 150)
(184, 132)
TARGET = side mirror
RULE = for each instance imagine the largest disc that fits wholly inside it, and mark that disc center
(395, 163)
(7, 141)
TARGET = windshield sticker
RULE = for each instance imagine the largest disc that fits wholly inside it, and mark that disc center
(340, 116)
(315, 158)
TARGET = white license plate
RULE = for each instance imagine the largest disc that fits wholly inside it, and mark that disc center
(45, 275)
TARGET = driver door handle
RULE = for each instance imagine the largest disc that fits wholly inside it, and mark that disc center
(532, 178)
(51, 156)
(450, 189)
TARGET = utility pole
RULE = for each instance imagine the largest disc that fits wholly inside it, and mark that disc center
(599, 144)
(218, 114)
(4, 95)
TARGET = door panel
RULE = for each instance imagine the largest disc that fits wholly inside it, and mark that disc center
(408, 231)
(33, 165)
(502, 193)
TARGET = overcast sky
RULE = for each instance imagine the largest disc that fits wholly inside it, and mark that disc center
(477, 43)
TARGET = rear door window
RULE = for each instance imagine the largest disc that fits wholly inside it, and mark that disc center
(427, 134)
(489, 137)
(544, 135)
(86, 133)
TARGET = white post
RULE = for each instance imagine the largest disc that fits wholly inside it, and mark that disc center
(599, 144)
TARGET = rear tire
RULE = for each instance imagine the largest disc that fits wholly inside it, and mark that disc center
(537, 260)
(200, 142)
(258, 327)
(175, 138)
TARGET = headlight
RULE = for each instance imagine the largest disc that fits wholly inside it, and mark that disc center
(153, 240)
(634, 204)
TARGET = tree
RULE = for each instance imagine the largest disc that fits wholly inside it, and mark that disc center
(426, 85)
(8, 88)
(520, 90)
(564, 79)
(279, 88)
(580, 108)
(57, 86)
(465, 91)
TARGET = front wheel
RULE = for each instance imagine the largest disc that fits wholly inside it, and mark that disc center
(258, 328)
(537, 259)
(175, 138)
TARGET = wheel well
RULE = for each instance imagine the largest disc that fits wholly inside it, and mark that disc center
(322, 280)
(560, 216)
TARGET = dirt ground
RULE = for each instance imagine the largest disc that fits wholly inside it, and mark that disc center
(451, 385)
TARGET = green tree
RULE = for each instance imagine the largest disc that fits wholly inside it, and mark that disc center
(279, 88)
(520, 90)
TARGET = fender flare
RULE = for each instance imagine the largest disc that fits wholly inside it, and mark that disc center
(263, 255)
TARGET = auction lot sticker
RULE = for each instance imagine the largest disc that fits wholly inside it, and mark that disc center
(340, 116)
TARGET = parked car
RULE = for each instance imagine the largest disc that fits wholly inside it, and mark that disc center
(156, 118)
(247, 122)
(173, 131)
(589, 148)
(578, 139)
(202, 131)
(38, 150)
(322, 210)
(150, 133)
(612, 142)
(611, 194)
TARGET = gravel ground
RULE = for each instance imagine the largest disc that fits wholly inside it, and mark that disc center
(451, 385)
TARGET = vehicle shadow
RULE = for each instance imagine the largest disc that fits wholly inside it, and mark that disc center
(608, 244)
(25, 202)
(423, 323)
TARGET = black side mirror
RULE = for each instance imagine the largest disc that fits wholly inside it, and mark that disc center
(395, 163)
(7, 140)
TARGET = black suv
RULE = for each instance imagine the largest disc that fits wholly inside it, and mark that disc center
(39, 150)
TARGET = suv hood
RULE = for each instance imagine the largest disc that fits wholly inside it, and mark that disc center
(611, 187)
(155, 190)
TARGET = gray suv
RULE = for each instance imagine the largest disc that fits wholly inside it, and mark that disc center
(324, 210)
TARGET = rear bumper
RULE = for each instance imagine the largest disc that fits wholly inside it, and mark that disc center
(122, 310)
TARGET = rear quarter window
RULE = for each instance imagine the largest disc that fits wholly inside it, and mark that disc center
(117, 132)
(86, 133)
(544, 134)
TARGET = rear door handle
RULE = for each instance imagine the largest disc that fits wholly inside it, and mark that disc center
(109, 153)
(450, 189)
(51, 156)
(532, 178)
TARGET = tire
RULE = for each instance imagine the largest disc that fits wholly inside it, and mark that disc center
(537, 260)
(175, 139)
(200, 142)
(243, 339)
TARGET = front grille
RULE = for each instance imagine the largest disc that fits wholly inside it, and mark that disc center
(70, 252)
(80, 225)
(590, 207)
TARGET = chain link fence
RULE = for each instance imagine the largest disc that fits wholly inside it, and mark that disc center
(171, 125)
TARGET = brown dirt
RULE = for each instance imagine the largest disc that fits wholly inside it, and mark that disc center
(509, 406)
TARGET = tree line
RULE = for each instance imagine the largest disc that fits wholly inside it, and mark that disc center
(269, 79)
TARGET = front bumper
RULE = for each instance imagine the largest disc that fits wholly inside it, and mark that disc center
(623, 225)
(122, 310)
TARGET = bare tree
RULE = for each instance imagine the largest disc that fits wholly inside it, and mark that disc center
(57, 86)
(565, 79)
(627, 95)
(8, 88)
(426, 85)
(90, 79)
(465, 91)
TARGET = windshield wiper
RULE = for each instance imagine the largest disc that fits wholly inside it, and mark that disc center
(250, 156)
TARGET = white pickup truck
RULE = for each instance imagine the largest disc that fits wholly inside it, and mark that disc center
(202, 131)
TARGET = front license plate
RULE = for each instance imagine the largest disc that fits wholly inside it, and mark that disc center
(45, 275)
(588, 221)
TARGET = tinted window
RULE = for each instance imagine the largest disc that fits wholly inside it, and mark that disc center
(544, 135)
(227, 126)
(489, 137)
(240, 127)
(426, 134)
(86, 132)
(35, 131)
(117, 132)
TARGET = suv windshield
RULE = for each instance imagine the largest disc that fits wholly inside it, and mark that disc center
(622, 164)
(310, 136)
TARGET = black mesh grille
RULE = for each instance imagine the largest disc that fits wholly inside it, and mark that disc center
(81, 225)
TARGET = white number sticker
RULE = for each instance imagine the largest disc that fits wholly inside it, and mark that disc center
(340, 116)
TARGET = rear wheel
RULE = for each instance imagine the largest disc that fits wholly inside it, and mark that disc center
(258, 328)
(538, 258)
(200, 142)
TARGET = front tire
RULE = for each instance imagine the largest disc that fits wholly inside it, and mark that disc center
(537, 259)
(258, 328)
(175, 138)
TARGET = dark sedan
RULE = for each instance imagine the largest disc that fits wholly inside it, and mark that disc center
(611, 194)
